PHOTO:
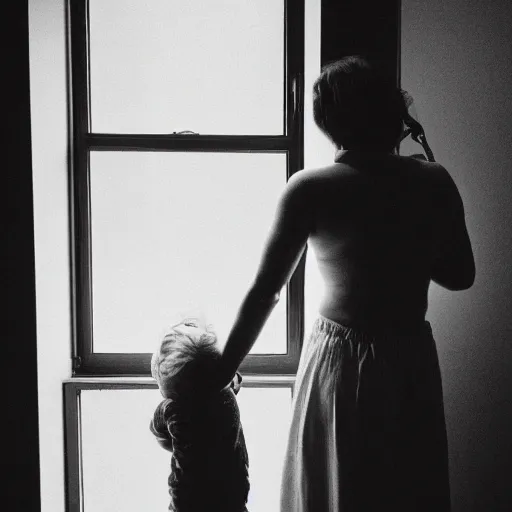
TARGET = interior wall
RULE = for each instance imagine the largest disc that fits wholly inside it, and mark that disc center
(48, 93)
(457, 64)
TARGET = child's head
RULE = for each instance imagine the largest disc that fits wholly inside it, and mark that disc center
(185, 359)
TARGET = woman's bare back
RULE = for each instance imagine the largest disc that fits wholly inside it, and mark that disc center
(382, 226)
(378, 230)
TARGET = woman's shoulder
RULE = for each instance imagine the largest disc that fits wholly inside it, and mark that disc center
(346, 173)
(420, 165)
(309, 177)
(432, 173)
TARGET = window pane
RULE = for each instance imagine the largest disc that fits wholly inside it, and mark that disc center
(125, 469)
(211, 66)
(266, 416)
(175, 231)
(123, 466)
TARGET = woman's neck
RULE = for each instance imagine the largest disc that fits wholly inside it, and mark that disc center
(344, 154)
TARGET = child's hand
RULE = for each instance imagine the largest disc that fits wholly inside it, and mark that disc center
(166, 444)
(236, 383)
(159, 425)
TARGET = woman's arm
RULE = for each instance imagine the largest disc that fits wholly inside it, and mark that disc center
(283, 249)
(454, 266)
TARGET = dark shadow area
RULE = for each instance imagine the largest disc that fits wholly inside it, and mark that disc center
(21, 464)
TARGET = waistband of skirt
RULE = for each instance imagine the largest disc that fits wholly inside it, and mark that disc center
(328, 326)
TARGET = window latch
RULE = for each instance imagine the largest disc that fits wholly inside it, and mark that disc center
(76, 362)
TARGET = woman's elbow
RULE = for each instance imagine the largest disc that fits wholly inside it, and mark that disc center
(456, 280)
(265, 294)
(469, 275)
(460, 285)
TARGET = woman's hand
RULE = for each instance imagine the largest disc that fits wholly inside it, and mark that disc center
(222, 378)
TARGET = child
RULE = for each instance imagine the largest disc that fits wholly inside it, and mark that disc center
(200, 427)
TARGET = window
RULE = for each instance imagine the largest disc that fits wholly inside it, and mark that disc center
(113, 462)
(187, 121)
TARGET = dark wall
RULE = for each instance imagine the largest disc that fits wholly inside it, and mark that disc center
(20, 423)
(457, 64)
(362, 27)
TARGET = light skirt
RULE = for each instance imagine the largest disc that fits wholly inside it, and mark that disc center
(368, 428)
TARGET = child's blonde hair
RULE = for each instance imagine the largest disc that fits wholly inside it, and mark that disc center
(184, 360)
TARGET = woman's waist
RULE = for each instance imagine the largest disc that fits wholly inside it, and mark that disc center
(376, 315)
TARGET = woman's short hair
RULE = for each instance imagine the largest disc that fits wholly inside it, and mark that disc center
(357, 106)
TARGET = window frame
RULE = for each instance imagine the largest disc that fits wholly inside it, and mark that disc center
(291, 142)
(72, 389)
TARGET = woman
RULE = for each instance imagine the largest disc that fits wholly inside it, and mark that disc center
(368, 427)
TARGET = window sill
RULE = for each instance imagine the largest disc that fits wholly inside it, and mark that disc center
(249, 380)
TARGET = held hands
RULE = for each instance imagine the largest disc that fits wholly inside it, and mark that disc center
(221, 379)
(236, 383)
